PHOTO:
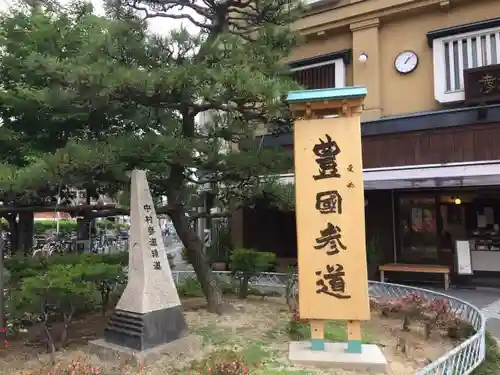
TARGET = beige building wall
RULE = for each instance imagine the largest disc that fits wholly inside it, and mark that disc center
(382, 29)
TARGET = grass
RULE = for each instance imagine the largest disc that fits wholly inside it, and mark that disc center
(335, 331)
(212, 334)
(259, 354)
(263, 353)
(491, 365)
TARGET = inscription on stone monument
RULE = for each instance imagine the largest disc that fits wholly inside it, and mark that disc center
(149, 312)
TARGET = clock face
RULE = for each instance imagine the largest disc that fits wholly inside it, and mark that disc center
(406, 62)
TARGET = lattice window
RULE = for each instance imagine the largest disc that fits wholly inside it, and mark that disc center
(323, 75)
(458, 52)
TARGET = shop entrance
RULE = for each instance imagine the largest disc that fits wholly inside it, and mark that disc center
(428, 224)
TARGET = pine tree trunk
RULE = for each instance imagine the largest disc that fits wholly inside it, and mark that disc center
(189, 238)
(199, 261)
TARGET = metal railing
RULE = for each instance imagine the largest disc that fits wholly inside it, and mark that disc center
(461, 360)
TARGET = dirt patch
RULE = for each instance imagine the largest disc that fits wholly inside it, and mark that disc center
(257, 327)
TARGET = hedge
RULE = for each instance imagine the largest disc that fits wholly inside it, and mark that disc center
(68, 226)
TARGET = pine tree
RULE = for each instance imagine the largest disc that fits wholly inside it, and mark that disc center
(185, 106)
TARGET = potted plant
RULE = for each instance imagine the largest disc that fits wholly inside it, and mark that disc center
(373, 256)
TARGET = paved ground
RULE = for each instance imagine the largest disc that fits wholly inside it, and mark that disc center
(175, 249)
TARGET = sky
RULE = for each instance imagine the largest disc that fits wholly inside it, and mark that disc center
(157, 25)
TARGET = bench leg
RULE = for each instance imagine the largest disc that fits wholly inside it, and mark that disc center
(382, 278)
(446, 281)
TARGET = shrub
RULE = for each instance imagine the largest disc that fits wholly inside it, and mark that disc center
(21, 267)
(120, 257)
(59, 291)
(61, 287)
(246, 263)
(436, 314)
(104, 277)
(190, 287)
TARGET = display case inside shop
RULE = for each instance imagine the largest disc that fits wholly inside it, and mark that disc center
(486, 242)
(486, 234)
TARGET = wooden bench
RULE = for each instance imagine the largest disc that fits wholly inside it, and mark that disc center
(417, 268)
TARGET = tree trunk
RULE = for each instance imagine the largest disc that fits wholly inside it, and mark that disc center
(25, 231)
(68, 317)
(51, 348)
(199, 261)
(194, 247)
(105, 293)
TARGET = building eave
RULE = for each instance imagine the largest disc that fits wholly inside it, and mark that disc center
(340, 15)
(461, 29)
(420, 121)
(345, 55)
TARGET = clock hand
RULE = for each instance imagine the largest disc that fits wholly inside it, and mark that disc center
(408, 59)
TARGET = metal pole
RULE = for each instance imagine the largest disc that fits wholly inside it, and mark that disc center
(58, 217)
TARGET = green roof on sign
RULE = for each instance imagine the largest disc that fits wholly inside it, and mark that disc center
(326, 94)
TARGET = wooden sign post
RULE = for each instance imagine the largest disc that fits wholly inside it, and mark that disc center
(333, 282)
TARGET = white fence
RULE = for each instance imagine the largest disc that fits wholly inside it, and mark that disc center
(461, 360)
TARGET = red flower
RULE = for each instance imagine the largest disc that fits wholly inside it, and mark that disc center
(3, 330)
(5, 342)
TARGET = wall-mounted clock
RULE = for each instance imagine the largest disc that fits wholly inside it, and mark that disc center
(406, 62)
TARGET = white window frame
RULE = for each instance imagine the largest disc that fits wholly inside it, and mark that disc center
(440, 93)
(340, 72)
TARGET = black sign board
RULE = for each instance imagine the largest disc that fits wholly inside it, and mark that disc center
(482, 85)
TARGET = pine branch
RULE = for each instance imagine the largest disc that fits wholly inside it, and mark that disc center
(167, 6)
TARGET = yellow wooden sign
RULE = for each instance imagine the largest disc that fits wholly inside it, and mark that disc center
(333, 281)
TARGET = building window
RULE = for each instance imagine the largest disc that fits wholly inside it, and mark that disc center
(323, 75)
(455, 53)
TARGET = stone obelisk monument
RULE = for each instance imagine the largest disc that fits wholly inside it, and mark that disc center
(148, 317)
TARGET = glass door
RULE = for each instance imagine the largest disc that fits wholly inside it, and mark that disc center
(418, 233)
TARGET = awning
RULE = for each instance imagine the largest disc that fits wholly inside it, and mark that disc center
(483, 173)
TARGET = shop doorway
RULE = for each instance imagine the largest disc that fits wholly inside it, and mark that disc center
(428, 224)
(419, 238)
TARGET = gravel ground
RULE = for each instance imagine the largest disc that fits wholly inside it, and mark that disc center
(256, 327)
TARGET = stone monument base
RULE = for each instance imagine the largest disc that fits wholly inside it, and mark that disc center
(335, 355)
(182, 348)
(145, 331)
